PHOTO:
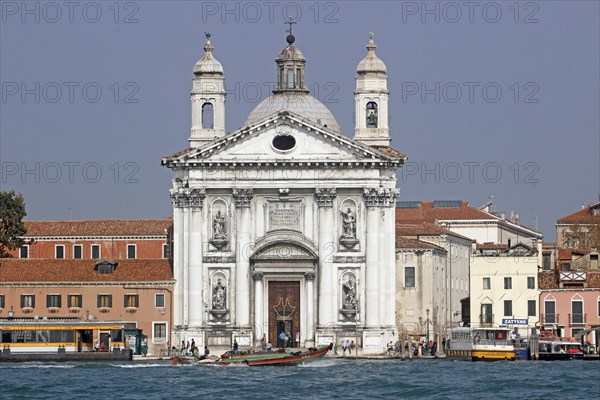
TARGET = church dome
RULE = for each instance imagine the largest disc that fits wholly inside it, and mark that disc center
(208, 64)
(290, 52)
(299, 103)
(371, 63)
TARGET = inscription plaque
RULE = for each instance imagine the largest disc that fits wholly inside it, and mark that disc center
(285, 215)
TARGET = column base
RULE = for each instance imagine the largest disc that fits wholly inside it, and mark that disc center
(375, 340)
(187, 334)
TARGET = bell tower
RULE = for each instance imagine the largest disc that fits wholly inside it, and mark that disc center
(208, 99)
(371, 100)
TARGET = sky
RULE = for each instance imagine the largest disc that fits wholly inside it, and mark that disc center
(487, 98)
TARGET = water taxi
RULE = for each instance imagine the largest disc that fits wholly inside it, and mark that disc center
(65, 339)
(559, 349)
(480, 344)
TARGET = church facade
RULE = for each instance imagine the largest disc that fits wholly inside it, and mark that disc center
(285, 224)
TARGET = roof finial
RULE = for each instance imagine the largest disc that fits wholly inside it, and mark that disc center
(290, 38)
(371, 34)
(207, 34)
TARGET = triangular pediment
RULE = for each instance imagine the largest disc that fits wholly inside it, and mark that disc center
(284, 138)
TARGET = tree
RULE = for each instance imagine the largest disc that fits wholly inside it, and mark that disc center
(12, 212)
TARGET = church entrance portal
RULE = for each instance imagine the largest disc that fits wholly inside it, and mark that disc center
(284, 313)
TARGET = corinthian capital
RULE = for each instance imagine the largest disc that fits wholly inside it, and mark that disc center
(187, 197)
(380, 197)
(243, 197)
(325, 197)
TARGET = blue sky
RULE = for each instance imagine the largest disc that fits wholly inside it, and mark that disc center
(486, 98)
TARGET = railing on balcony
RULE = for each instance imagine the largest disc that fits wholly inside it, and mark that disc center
(486, 319)
(550, 318)
(575, 319)
(573, 276)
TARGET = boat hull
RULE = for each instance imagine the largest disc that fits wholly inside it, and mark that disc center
(282, 359)
(559, 357)
(122, 355)
(481, 355)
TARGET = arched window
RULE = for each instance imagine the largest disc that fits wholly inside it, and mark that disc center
(208, 116)
(281, 78)
(372, 116)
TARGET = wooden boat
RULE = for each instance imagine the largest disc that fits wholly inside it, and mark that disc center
(480, 344)
(275, 358)
(194, 360)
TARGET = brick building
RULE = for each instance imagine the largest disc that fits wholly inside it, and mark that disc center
(95, 239)
(115, 270)
(570, 287)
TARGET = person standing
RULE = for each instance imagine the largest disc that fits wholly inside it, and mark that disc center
(206, 351)
(263, 342)
(235, 345)
(282, 336)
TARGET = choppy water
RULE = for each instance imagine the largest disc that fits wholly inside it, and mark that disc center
(326, 379)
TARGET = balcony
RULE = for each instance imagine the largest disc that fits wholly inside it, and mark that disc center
(577, 319)
(573, 277)
(549, 318)
(486, 319)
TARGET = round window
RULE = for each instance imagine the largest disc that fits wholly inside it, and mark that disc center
(284, 142)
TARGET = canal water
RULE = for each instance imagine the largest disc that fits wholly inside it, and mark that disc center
(326, 379)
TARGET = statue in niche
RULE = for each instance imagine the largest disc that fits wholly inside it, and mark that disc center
(349, 294)
(348, 224)
(218, 299)
(219, 226)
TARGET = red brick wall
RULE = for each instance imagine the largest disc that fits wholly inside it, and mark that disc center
(109, 249)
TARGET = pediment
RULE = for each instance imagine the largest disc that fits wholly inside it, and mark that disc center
(284, 245)
(288, 252)
(261, 144)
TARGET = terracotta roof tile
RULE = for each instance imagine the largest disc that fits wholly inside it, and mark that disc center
(422, 229)
(51, 270)
(126, 227)
(491, 246)
(389, 151)
(427, 213)
(405, 243)
(583, 216)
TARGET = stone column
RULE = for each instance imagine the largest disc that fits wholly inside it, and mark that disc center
(380, 257)
(325, 198)
(372, 268)
(259, 295)
(195, 245)
(243, 200)
(309, 277)
(178, 199)
(186, 263)
(388, 257)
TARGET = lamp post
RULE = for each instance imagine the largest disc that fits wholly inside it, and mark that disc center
(427, 321)
(356, 319)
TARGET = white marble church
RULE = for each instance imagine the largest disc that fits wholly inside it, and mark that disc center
(285, 224)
